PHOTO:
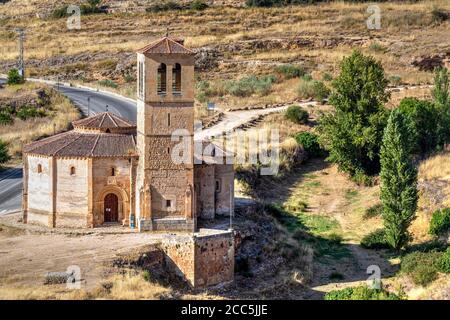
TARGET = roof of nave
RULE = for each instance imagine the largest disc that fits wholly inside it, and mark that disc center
(79, 144)
(166, 45)
(104, 120)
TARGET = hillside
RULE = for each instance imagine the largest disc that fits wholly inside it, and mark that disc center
(231, 42)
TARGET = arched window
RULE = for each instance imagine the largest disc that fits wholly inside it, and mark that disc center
(176, 79)
(162, 79)
(39, 168)
(72, 171)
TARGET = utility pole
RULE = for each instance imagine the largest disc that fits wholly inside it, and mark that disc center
(89, 106)
(21, 58)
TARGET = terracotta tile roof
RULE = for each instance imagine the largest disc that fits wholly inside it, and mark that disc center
(165, 45)
(91, 145)
(104, 120)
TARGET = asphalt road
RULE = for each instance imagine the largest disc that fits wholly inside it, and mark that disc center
(11, 179)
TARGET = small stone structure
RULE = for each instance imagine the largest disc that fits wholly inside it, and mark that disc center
(203, 259)
(109, 170)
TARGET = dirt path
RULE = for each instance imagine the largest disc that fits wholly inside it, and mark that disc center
(339, 205)
(233, 119)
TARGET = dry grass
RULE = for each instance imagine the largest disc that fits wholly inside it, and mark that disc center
(224, 26)
(22, 132)
(435, 167)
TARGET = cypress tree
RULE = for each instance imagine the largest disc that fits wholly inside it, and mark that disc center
(398, 181)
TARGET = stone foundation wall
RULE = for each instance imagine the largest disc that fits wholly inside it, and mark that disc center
(204, 259)
(214, 259)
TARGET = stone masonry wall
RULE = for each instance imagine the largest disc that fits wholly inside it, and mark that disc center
(40, 201)
(203, 260)
(204, 186)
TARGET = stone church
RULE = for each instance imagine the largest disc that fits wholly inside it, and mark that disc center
(109, 170)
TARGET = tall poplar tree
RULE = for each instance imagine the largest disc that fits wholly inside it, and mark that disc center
(398, 181)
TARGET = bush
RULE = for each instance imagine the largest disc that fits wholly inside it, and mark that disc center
(308, 88)
(440, 221)
(439, 15)
(422, 267)
(377, 47)
(198, 5)
(361, 293)
(320, 91)
(373, 211)
(164, 6)
(305, 89)
(25, 113)
(108, 83)
(249, 85)
(14, 77)
(423, 123)
(310, 143)
(375, 240)
(444, 262)
(60, 12)
(4, 156)
(395, 80)
(327, 77)
(296, 114)
(362, 179)
(90, 7)
(290, 71)
(5, 118)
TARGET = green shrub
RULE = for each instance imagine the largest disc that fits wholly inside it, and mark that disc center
(395, 80)
(305, 89)
(422, 267)
(290, 71)
(377, 47)
(308, 88)
(362, 179)
(60, 12)
(375, 240)
(164, 6)
(361, 293)
(327, 77)
(310, 143)
(108, 83)
(14, 77)
(439, 15)
(444, 262)
(249, 85)
(373, 211)
(90, 7)
(198, 5)
(440, 221)
(296, 114)
(423, 123)
(320, 91)
(4, 156)
(25, 113)
(5, 118)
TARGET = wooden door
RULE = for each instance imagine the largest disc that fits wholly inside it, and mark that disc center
(111, 208)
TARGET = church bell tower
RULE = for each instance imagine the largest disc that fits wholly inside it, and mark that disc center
(165, 104)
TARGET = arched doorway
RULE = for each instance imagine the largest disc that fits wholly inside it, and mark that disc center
(111, 208)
